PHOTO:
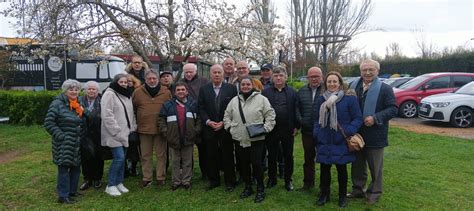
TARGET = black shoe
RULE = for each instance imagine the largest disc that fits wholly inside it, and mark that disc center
(305, 188)
(342, 201)
(323, 199)
(86, 185)
(187, 186)
(229, 189)
(63, 200)
(271, 183)
(289, 186)
(76, 194)
(259, 197)
(355, 195)
(212, 186)
(174, 187)
(247, 192)
(97, 184)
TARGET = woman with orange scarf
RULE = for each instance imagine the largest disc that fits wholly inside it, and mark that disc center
(65, 122)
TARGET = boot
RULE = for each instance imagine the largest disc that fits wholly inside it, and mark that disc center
(247, 192)
(323, 198)
(260, 194)
(342, 201)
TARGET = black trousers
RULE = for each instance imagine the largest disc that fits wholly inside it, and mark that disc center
(93, 169)
(202, 152)
(325, 180)
(220, 150)
(250, 160)
(272, 142)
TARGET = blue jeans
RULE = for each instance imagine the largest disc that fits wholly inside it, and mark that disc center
(68, 180)
(117, 168)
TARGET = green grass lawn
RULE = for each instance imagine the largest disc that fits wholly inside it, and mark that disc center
(421, 172)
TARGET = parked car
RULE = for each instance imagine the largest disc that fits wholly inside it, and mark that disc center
(397, 82)
(410, 94)
(456, 108)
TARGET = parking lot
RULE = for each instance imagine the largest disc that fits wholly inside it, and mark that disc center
(431, 127)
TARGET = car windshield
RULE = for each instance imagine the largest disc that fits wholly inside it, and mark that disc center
(413, 82)
(389, 81)
(467, 89)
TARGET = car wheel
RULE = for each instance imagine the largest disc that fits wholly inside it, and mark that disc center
(408, 109)
(461, 117)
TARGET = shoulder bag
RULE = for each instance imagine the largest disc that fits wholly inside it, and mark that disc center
(254, 130)
(354, 143)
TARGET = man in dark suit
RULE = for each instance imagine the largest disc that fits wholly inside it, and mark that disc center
(212, 101)
(377, 101)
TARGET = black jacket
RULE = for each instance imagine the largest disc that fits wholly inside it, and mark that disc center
(306, 108)
(377, 135)
(292, 100)
(207, 103)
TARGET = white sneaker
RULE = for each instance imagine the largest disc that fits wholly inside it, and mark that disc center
(112, 190)
(122, 188)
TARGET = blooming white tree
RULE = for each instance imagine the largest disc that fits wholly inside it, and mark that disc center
(166, 28)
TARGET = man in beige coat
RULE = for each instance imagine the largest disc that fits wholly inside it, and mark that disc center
(147, 101)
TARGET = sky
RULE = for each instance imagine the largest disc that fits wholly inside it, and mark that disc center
(445, 23)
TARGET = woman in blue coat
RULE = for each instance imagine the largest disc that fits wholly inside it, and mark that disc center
(335, 109)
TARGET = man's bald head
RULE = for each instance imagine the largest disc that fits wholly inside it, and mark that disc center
(314, 76)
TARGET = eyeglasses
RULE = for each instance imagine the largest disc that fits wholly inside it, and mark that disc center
(241, 68)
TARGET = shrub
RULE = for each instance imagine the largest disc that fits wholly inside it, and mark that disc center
(25, 107)
(296, 84)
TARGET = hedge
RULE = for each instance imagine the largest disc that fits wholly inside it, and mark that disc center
(25, 107)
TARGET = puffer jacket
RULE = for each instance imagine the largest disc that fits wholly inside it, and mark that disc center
(67, 130)
(331, 144)
(148, 108)
(168, 123)
(306, 108)
(114, 128)
(257, 110)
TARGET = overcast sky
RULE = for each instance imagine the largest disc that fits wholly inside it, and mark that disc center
(446, 23)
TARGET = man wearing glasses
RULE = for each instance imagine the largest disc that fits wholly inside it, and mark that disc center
(137, 68)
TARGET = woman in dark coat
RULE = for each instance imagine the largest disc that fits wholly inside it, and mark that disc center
(335, 110)
(92, 162)
(66, 123)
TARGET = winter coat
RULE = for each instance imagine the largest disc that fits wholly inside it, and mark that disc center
(376, 136)
(195, 85)
(148, 108)
(67, 130)
(331, 144)
(256, 109)
(168, 123)
(306, 108)
(114, 128)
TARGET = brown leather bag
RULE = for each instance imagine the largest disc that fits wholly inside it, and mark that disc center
(354, 143)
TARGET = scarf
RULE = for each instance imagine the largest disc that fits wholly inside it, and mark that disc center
(123, 91)
(74, 105)
(372, 96)
(247, 95)
(329, 106)
(152, 91)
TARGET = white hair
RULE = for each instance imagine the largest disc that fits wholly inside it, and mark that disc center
(70, 83)
(92, 83)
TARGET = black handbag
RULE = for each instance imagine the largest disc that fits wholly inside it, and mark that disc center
(88, 150)
(133, 137)
(254, 130)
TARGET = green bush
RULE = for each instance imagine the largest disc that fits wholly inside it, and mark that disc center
(25, 107)
(296, 84)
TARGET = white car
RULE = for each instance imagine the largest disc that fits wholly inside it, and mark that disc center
(456, 108)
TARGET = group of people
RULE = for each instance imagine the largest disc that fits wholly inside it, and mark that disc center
(216, 116)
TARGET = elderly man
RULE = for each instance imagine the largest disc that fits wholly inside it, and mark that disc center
(378, 104)
(266, 71)
(195, 82)
(284, 100)
(229, 70)
(137, 68)
(166, 80)
(307, 97)
(213, 100)
(147, 101)
(243, 71)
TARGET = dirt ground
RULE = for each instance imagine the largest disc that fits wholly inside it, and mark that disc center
(430, 127)
(9, 156)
